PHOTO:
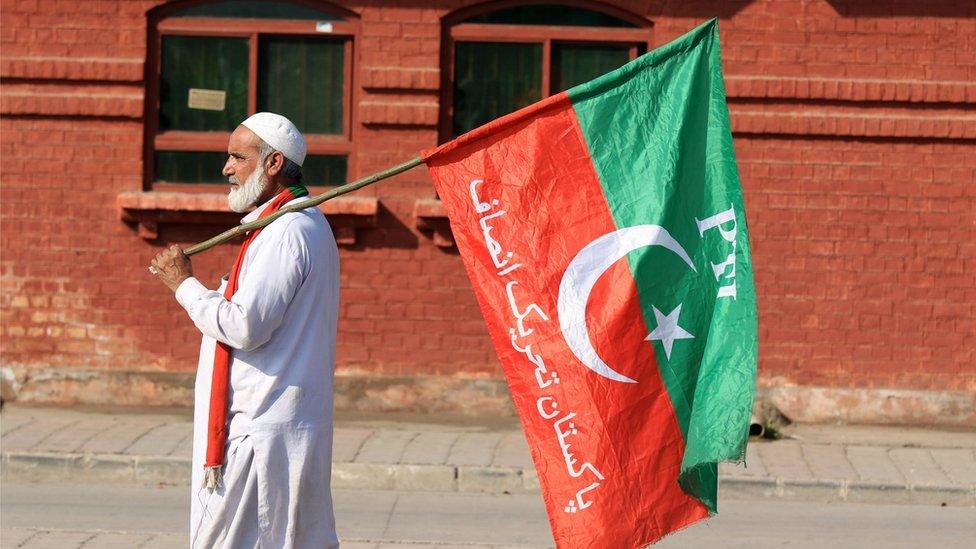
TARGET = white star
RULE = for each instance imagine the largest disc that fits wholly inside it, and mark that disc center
(667, 329)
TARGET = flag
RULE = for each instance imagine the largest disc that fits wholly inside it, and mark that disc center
(604, 234)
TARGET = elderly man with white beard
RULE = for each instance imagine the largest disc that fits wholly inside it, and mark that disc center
(262, 427)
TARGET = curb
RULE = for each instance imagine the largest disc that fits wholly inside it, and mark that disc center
(849, 491)
(95, 468)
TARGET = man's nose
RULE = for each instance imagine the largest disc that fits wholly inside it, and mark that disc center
(228, 169)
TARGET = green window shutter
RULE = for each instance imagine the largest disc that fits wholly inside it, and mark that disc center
(206, 167)
(216, 67)
(494, 79)
(325, 170)
(302, 79)
(574, 64)
(190, 167)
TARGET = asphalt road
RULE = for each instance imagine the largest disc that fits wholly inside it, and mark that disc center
(48, 515)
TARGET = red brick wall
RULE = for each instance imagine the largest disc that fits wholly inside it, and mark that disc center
(855, 130)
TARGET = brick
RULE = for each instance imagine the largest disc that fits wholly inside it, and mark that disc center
(750, 488)
(119, 436)
(161, 440)
(162, 470)
(119, 540)
(408, 113)
(106, 468)
(424, 478)
(489, 480)
(19, 102)
(872, 492)
(16, 537)
(943, 495)
(512, 451)
(828, 462)
(40, 466)
(429, 448)
(784, 461)
(385, 446)
(959, 465)
(35, 433)
(71, 439)
(362, 476)
(474, 449)
(58, 539)
(836, 172)
(69, 68)
(347, 443)
(918, 466)
(822, 490)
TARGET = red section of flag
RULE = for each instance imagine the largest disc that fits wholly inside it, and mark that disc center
(524, 198)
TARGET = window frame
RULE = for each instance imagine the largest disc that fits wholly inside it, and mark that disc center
(346, 27)
(454, 30)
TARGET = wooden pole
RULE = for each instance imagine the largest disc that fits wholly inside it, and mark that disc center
(338, 191)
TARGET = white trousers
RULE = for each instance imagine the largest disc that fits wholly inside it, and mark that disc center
(268, 498)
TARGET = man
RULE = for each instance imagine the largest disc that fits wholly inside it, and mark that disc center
(262, 428)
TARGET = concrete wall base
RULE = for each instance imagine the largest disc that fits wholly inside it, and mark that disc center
(872, 406)
(363, 392)
(355, 391)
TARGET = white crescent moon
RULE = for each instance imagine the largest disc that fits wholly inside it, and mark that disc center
(583, 272)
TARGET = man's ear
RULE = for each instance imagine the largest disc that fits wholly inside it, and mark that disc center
(274, 163)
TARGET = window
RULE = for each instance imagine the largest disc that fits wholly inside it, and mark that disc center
(506, 59)
(211, 65)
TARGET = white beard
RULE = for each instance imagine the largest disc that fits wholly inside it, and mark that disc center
(246, 196)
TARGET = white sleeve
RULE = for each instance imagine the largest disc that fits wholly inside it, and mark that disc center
(247, 321)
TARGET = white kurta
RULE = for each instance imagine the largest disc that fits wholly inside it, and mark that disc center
(281, 324)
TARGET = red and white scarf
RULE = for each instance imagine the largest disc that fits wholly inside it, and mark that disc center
(217, 423)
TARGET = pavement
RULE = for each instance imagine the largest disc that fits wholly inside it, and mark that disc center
(489, 456)
(100, 516)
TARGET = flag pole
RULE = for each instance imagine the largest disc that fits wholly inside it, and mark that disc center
(338, 191)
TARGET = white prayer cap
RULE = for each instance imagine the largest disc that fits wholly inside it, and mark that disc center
(280, 133)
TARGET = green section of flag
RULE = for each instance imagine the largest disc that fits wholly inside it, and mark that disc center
(659, 136)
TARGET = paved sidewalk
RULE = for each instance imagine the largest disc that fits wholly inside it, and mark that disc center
(824, 463)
